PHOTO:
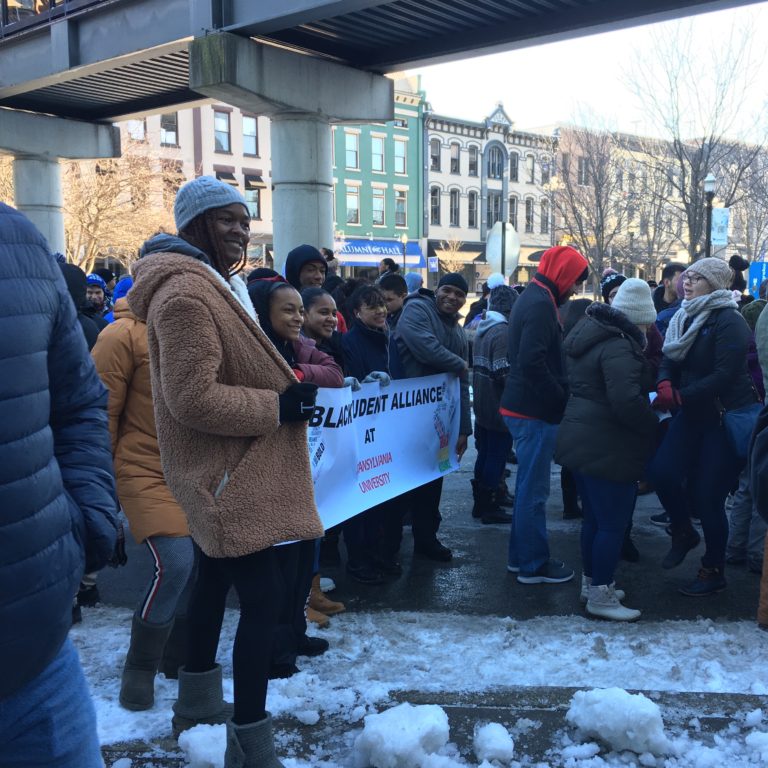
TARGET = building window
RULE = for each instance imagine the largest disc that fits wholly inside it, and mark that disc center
(400, 122)
(473, 161)
(454, 207)
(137, 129)
(169, 129)
(530, 169)
(455, 155)
(250, 136)
(472, 213)
(352, 150)
(581, 177)
(494, 208)
(377, 154)
(401, 208)
(565, 164)
(253, 199)
(513, 211)
(544, 224)
(400, 156)
(378, 207)
(353, 205)
(434, 206)
(495, 163)
(529, 215)
(221, 132)
(546, 167)
(514, 166)
(434, 154)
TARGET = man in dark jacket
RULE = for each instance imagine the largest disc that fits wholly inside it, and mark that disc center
(430, 340)
(666, 295)
(76, 284)
(305, 267)
(533, 404)
(57, 504)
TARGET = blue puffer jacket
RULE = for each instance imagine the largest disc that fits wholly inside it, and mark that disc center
(57, 502)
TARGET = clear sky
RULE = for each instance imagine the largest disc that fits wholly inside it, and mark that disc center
(556, 82)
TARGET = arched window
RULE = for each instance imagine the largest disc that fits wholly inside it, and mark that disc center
(472, 161)
(544, 224)
(472, 210)
(495, 163)
(514, 166)
(455, 157)
(434, 154)
(494, 208)
(529, 214)
(434, 206)
(454, 220)
(530, 168)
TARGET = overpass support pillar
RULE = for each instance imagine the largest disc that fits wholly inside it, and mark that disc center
(303, 96)
(37, 191)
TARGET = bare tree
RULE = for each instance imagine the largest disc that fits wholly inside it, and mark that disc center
(112, 206)
(6, 179)
(587, 195)
(749, 214)
(451, 261)
(695, 95)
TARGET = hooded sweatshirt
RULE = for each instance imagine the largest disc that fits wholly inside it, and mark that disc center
(297, 258)
(216, 381)
(489, 370)
(76, 284)
(536, 386)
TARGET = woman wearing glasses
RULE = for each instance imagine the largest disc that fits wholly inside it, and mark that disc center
(703, 373)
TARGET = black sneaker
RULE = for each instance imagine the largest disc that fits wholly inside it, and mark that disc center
(365, 574)
(682, 544)
(551, 572)
(88, 597)
(311, 646)
(496, 517)
(433, 550)
(388, 566)
(282, 671)
(661, 519)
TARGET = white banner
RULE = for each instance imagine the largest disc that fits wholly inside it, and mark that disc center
(720, 219)
(369, 446)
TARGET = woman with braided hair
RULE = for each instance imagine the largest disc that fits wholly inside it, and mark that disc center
(231, 416)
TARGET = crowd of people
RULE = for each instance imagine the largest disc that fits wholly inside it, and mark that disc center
(195, 398)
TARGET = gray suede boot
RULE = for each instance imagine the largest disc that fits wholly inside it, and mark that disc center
(251, 745)
(200, 700)
(137, 689)
(175, 651)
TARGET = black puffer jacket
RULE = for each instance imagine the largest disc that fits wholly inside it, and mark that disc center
(608, 429)
(715, 370)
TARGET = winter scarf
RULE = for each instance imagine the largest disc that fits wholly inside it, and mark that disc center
(679, 341)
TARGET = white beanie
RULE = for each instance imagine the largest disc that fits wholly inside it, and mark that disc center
(634, 300)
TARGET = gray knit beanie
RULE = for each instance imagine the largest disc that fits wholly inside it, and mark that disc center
(501, 299)
(203, 194)
(714, 270)
(634, 300)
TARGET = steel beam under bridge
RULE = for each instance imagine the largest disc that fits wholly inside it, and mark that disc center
(107, 59)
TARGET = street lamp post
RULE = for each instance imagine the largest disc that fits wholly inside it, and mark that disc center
(404, 242)
(709, 192)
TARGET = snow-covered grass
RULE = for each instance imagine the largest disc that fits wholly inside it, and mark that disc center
(374, 656)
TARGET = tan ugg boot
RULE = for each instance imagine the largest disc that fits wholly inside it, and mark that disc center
(318, 618)
(319, 602)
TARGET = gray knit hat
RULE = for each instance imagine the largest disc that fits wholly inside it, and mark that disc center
(715, 271)
(203, 194)
(501, 299)
(634, 300)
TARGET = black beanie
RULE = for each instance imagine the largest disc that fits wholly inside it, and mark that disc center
(454, 279)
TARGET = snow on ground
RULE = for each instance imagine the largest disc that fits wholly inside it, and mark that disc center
(373, 655)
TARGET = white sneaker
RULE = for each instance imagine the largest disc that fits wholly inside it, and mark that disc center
(586, 583)
(604, 604)
(326, 584)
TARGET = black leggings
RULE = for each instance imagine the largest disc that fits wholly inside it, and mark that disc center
(257, 582)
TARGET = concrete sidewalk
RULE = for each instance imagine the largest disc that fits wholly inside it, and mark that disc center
(476, 582)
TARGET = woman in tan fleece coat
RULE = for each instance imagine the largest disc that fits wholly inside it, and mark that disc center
(158, 636)
(231, 425)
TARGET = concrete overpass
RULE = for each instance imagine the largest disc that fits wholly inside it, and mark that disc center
(303, 63)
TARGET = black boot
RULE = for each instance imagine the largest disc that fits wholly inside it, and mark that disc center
(476, 512)
(502, 497)
(571, 509)
(684, 539)
(175, 651)
(487, 509)
(629, 551)
(137, 689)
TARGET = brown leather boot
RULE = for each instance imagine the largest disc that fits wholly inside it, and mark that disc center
(318, 618)
(319, 602)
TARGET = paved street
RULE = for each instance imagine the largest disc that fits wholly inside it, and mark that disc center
(476, 582)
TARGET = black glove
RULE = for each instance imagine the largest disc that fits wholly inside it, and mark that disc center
(297, 402)
(119, 556)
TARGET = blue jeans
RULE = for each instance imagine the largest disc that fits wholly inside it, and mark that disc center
(608, 508)
(492, 451)
(535, 447)
(695, 468)
(51, 722)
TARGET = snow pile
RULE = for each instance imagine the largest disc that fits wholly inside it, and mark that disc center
(757, 742)
(620, 719)
(493, 742)
(403, 737)
(204, 746)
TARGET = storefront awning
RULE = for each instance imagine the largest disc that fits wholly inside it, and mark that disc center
(226, 177)
(254, 182)
(368, 253)
(464, 253)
